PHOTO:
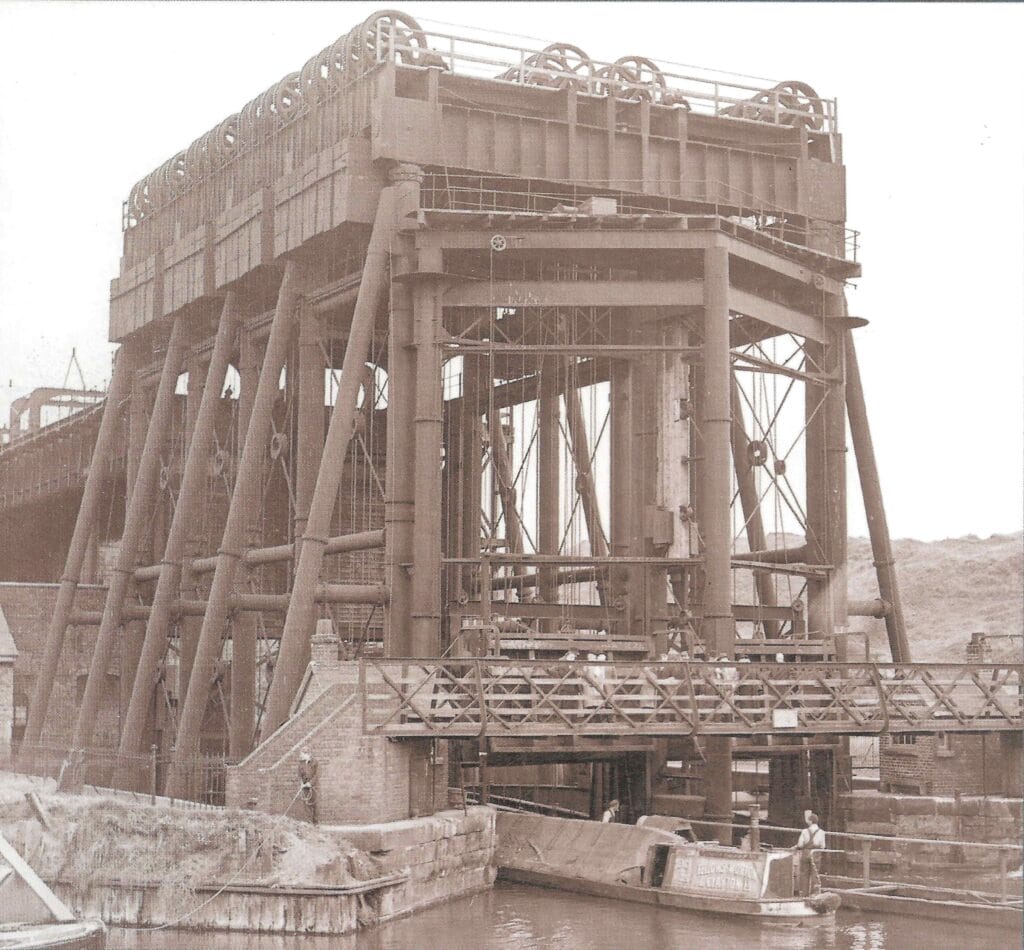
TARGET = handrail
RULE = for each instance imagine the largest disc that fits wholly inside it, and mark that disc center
(655, 697)
(858, 836)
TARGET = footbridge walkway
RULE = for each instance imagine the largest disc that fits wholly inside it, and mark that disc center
(499, 697)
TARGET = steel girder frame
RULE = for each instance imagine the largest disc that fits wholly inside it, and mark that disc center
(137, 520)
(300, 617)
(190, 498)
(874, 506)
(120, 385)
(293, 283)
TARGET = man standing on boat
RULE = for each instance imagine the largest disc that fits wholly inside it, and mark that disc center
(611, 813)
(810, 842)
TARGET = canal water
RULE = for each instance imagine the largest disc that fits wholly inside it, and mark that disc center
(515, 917)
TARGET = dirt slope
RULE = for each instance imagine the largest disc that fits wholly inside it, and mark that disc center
(950, 589)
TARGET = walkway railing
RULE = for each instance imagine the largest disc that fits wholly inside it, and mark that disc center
(883, 862)
(500, 697)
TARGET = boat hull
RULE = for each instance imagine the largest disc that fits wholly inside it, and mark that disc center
(978, 914)
(789, 910)
(80, 935)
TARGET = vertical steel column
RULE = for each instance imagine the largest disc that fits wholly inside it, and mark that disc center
(244, 623)
(719, 629)
(136, 522)
(310, 417)
(548, 473)
(92, 494)
(470, 464)
(189, 548)
(750, 505)
(716, 424)
(621, 507)
(399, 481)
(190, 500)
(426, 578)
(649, 584)
(874, 507)
(299, 621)
(826, 484)
(231, 549)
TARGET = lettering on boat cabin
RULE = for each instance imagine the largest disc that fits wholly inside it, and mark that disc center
(722, 875)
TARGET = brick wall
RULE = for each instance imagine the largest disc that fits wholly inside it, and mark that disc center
(361, 778)
(28, 609)
(933, 765)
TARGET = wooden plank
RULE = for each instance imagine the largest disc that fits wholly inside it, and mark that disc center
(53, 904)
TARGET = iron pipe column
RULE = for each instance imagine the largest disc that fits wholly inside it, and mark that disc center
(548, 472)
(136, 522)
(874, 507)
(425, 613)
(299, 622)
(716, 427)
(310, 436)
(399, 482)
(231, 549)
(190, 500)
(92, 494)
(242, 715)
(719, 629)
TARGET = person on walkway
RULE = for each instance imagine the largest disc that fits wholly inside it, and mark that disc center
(611, 813)
(308, 768)
(808, 845)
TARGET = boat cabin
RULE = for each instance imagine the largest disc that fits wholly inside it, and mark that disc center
(702, 867)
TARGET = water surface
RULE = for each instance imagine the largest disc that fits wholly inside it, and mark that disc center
(517, 917)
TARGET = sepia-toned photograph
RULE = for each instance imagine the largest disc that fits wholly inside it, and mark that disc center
(511, 476)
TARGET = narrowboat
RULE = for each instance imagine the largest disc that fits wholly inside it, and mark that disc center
(658, 861)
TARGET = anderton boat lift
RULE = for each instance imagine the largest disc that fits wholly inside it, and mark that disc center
(479, 423)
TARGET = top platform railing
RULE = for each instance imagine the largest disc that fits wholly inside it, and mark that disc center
(632, 78)
(329, 78)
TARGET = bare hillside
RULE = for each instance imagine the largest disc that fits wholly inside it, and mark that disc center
(950, 589)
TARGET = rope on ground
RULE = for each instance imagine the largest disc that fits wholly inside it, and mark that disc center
(231, 880)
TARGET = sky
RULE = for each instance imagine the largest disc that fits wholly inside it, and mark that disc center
(95, 95)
